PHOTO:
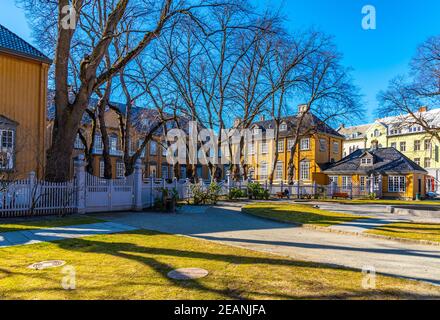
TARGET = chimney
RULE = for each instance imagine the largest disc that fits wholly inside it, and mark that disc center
(262, 118)
(302, 108)
(423, 109)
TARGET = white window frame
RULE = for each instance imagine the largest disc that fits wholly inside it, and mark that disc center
(251, 148)
(98, 146)
(290, 143)
(335, 147)
(78, 143)
(120, 169)
(101, 168)
(153, 148)
(264, 147)
(402, 146)
(8, 148)
(334, 179)
(396, 184)
(283, 127)
(280, 146)
(279, 170)
(323, 145)
(264, 169)
(165, 172)
(304, 171)
(113, 143)
(346, 182)
(305, 144)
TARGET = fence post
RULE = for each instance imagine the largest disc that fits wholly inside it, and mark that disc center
(298, 189)
(31, 189)
(187, 188)
(351, 191)
(315, 188)
(137, 187)
(80, 176)
(151, 191)
(332, 188)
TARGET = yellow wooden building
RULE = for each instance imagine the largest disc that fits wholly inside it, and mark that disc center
(23, 90)
(318, 145)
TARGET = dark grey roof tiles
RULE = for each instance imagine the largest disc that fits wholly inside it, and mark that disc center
(385, 160)
(12, 43)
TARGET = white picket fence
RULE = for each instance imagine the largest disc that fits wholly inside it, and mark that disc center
(87, 193)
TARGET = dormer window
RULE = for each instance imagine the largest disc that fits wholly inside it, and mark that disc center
(283, 127)
(367, 161)
(256, 131)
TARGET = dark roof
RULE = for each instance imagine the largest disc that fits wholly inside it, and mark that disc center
(386, 160)
(309, 121)
(11, 43)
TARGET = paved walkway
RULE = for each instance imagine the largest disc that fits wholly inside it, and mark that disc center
(228, 225)
(15, 238)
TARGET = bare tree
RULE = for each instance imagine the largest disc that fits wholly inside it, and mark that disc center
(101, 18)
(407, 93)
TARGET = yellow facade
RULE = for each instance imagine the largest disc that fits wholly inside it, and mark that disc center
(23, 91)
(317, 154)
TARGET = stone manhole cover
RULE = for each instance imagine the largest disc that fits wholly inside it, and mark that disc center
(47, 264)
(188, 274)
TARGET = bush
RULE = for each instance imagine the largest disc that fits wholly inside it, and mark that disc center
(257, 192)
(236, 193)
(209, 196)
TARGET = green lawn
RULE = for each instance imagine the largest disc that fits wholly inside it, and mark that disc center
(298, 214)
(41, 223)
(408, 230)
(384, 202)
(134, 265)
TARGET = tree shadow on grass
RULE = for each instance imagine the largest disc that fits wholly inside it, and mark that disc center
(137, 253)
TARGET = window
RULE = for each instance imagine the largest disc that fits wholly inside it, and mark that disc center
(113, 144)
(251, 149)
(101, 169)
(335, 147)
(290, 143)
(164, 149)
(153, 171)
(363, 183)
(427, 145)
(376, 133)
(78, 143)
(199, 172)
(346, 182)
(367, 161)
(394, 145)
(256, 131)
(427, 163)
(153, 148)
(304, 170)
(7, 149)
(183, 172)
(98, 143)
(417, 161)
(305, 144)
(264, 148)
(140, 142)
(283, 127)
(165, 173)
(279, 170)
(263, 170)
(281, 146)
(403, 146)
(417, 145)
(333, 179)
(323, 145)
(396, 184)
(120, 169)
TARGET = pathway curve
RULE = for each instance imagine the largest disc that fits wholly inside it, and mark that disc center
(228, 225)
(24, 237)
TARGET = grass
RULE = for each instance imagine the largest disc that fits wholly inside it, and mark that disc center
(134, 265)
(408, 230)
(298, 214)
(385, 202)
(17, 225)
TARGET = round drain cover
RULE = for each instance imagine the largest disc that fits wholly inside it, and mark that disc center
(47, 264)
(188, 274)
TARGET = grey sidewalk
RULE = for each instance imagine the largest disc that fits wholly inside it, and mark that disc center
(362, 225)
(25, 237)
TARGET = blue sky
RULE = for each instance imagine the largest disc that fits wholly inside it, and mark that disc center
(375, 55)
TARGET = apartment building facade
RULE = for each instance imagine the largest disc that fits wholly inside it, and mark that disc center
(318, 145)
(408, 138)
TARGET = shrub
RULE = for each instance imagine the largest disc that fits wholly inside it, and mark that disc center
(236, 193)
(257, 192)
